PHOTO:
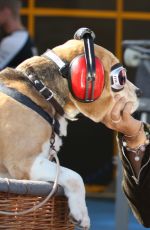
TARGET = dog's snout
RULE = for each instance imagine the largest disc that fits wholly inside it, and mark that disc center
(138, 92)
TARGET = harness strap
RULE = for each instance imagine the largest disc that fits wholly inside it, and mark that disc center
(29, 103)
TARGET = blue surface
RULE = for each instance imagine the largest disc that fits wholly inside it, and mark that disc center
(102, 215)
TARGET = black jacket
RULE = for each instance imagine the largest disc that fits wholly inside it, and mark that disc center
(137, 189)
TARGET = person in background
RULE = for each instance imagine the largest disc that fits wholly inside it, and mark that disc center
(15, 42)
(134, 142)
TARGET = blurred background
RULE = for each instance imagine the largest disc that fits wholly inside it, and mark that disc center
(90, 149)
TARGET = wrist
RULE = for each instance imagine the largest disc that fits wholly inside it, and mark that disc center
(140, 139)
(137, 145)
(137, 138)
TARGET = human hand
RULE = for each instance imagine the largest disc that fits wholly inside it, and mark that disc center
(120, 118)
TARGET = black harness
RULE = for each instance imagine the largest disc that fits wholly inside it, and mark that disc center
(45, 92)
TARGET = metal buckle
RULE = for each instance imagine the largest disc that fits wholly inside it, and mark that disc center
(41, 90)
(50, 97)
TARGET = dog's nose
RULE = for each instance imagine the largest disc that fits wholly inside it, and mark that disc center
(138, 92)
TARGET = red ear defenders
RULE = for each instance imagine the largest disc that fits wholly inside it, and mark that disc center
(85, 73)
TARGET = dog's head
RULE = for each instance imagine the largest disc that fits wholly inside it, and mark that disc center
(90, 82)
(109, 75)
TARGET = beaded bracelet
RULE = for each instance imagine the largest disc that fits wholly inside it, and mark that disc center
(139, 149)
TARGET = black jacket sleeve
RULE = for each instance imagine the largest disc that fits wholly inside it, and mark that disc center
(137, 189)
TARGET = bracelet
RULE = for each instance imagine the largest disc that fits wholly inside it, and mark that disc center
(137, 134)
(139, 149)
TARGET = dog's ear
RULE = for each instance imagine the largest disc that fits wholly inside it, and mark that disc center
(71, 110)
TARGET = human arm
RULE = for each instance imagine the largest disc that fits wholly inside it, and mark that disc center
(136, 174)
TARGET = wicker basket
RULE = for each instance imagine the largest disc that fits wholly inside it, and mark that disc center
(18, 195)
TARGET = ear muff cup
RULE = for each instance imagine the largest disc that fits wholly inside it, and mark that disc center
(78, 79)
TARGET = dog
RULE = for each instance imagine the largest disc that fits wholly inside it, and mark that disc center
(27, 134)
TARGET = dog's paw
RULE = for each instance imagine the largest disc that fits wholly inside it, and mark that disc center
(79, 216)
(75, 192)
(80, 224)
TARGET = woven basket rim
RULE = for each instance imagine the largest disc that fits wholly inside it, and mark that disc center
(28, 187)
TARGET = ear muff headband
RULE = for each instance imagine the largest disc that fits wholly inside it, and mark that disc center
(90, 65)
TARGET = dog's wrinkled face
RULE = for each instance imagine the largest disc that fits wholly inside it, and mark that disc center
(95, 110)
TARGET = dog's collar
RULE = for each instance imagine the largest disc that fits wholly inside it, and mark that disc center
(45, 92)
(29, 103)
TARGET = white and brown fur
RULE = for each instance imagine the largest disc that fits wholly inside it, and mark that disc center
(25, 135)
